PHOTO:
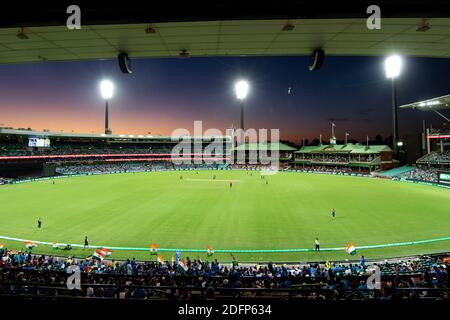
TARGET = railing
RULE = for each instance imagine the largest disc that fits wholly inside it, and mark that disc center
(141, 292)
(376, 161)
(339, 162)
(297, 280)
(106, 155)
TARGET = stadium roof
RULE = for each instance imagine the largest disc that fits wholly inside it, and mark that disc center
(264, 146)
(344, 148)
(338, 37)
(36, 13)
(432, 104)
(134, 137)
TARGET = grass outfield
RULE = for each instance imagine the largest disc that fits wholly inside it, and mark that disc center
(137, 209)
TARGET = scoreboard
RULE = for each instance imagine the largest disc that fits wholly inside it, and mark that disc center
(444, 178)
(39, 142)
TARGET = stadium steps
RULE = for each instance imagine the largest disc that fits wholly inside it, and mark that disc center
(396, 171)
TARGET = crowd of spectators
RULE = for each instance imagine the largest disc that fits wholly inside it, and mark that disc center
(422, 173)
(60, 148)
(115, 167)
(252, 167)
(5, 180)
(21, 149)
(332, 170)
(436, 158)
(335, 158)
(112, 167)
(12, 149)
(323, 280)
(203, 166)
(136, 166)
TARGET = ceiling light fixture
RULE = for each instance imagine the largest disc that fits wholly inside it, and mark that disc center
(289, 26)
(22, 34)
(150, 29)
(424, 25)
(184, 54)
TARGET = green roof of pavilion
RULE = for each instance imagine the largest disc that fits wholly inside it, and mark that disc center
(355, 148)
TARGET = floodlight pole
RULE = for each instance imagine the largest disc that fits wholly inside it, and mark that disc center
(242, 121)
(107, 130)
(394, 119)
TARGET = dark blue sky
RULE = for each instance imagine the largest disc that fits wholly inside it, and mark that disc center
(165, 94)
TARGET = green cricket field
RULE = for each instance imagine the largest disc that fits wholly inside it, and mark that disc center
(192, 210)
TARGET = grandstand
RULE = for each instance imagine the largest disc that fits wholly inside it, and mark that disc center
(353, 157)
(254, 153)
(427, 168)
(435, 158)
(70, 153)
(16, 143)
(435, 143)
(80, 149)
(70, 148)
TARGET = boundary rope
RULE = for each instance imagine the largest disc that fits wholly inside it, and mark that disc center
(377, 246)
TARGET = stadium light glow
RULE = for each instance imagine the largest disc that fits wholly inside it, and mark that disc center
(393, 66)
(429, 103)
(106, 89)
(241, 87)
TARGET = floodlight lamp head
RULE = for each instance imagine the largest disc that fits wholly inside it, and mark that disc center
(106, 89)
(241, 87)
(393, 66)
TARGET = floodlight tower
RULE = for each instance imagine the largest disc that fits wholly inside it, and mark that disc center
(392, 66)
(241, 88)
(106, 90)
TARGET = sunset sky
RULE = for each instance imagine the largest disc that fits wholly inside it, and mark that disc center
(166, 94)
